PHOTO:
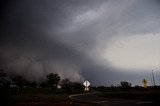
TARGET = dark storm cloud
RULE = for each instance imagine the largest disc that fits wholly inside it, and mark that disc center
(69, 36)
(27, 48)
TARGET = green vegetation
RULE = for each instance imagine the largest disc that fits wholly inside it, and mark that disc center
(127, 92)
(71, 87)
(4, 82)
(125, 86)
(131, 95)
(16, 89)
(53, 80)
(47, 91)
(12, 96)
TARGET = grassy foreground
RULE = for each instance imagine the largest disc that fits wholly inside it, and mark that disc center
(33, 97)
(140, 95)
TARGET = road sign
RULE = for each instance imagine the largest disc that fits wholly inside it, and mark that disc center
(86, 84)
(144, 81)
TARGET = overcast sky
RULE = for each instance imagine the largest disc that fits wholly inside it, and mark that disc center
(103, 41)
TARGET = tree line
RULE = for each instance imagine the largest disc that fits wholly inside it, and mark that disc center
(53, 81)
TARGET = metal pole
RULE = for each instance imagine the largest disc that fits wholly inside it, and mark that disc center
(151, 80)
(154, 84)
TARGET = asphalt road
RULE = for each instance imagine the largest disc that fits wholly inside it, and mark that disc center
(90, 99)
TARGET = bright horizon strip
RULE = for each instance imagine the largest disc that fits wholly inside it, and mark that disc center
(140, 52)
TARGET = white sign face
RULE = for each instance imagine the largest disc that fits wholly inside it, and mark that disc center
(86, 83)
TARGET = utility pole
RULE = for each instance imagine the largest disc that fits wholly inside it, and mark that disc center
(154, 84)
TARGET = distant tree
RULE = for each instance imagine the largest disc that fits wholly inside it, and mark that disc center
(4, 82)
(113, 88)
(101, 88)
(125, 86)
(137, 87)
(66, 84)
(77, 86)
(53, 80)
(2, 74)
(19, 81)
(32, 84)
(43, 84)
(70, 86)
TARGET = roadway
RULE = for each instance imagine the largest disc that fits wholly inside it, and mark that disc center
(91, 99)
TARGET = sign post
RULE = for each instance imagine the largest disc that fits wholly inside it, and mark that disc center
(86, 84)
(144, 81)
